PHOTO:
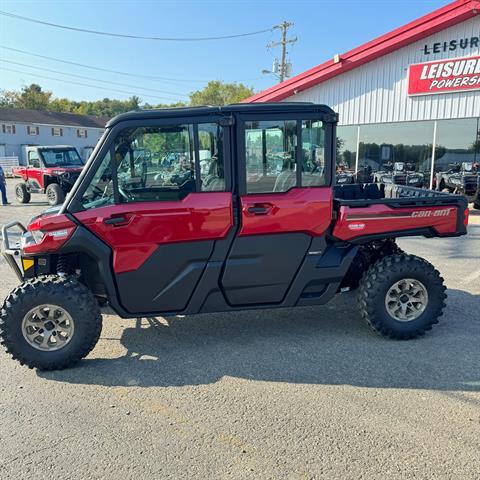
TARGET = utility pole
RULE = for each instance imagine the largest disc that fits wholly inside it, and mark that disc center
(283, 69)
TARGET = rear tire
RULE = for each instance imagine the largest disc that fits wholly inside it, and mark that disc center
(22, 193)
(59, 294)
(55, 195)
(417, 275)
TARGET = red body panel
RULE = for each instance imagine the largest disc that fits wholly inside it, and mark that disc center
(379, 218)
(37, 174)
(307, 210)
(57, 229)
(199, 216)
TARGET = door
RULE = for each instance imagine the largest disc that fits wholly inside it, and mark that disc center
(286, 202)
(34, 172)
(161, 206)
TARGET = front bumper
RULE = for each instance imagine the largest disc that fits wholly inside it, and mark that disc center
(11, 253)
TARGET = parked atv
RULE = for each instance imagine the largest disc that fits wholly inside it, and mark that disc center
(399, 173)
(460, 179)
(343, 176)
(51, 170)
(156, 247)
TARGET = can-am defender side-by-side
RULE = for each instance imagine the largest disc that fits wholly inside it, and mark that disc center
(51, 170)
(212, 221)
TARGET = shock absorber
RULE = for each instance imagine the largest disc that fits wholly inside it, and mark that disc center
(64, 265)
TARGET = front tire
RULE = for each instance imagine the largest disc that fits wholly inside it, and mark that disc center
(50, 322)
(22, 193)
(55, 195)
(401, 296)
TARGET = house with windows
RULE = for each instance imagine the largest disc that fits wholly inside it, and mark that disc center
(20, 128)
(410, 96)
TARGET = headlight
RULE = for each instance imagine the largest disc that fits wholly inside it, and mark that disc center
(38, 235)
(456, 181)
(414, 179)
(57, 172)
(341, 180)
(386, 179)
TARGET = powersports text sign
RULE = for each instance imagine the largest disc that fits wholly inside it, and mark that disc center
(444, 76)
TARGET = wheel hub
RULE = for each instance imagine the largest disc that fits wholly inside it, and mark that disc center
(47, 327)
(406, 300)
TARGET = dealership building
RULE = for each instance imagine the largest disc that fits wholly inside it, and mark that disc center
(411, 95)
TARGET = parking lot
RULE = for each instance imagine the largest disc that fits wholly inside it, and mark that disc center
(295, 393)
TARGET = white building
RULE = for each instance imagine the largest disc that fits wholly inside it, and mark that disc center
(22, 127)
(411, 95)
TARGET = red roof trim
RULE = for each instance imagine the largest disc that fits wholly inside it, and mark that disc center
(438, 20)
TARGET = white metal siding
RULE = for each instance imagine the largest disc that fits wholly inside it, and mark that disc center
(377, 91)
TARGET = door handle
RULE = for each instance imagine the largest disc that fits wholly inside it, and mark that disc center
(116, 221)
(259, 209)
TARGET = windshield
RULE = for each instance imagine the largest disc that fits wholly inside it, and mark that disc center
(56, 157)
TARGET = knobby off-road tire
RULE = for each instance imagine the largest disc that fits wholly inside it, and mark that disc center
(377, 284)
(55, 195)
(69, 296)
(21, 193)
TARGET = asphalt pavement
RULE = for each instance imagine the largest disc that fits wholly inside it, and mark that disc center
(303, 393)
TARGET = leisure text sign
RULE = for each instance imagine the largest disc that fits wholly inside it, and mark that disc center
(444, 76)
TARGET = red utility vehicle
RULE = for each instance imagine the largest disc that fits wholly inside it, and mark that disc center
(214, 209)
(51, 170)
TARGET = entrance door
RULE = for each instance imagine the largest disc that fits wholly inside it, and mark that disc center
(161, 205)
(286, 202)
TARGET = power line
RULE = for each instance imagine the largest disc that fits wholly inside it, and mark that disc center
(150, 77)
(80, 83)
(93, 79)
(137, 37)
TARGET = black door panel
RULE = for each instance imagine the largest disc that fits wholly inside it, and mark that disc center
(166, 281)
(260, 268)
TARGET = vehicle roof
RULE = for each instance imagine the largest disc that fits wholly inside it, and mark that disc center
(50, 147)
(287, 107)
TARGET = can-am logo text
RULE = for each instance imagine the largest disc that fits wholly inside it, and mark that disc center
(444, 76)
(432, 213)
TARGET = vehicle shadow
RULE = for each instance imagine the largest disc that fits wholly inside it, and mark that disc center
(313, 345)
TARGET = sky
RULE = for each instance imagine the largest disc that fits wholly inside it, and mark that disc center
(323, 28)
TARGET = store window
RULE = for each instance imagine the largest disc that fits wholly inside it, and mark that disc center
(385, 147)
(346, 153)
(458, 141)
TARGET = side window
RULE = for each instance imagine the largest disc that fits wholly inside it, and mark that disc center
(33, 160)
(210, 155)
(100, 190)
(155, 164)
(270, 155)
(313, 153)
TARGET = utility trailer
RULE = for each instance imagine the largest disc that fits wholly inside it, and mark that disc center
(159, 239)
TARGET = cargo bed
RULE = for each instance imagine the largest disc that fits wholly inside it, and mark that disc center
(367, 211)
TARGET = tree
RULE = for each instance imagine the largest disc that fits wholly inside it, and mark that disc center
(219, 93)
(8, 98)
(33, 97)
(61, 105)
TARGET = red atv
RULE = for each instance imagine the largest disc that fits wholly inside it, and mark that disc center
(217, 209)
(51, 170)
